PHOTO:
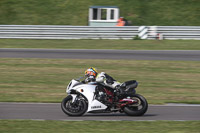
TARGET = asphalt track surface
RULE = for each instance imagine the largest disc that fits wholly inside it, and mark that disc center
(52, 111)
(187, 55)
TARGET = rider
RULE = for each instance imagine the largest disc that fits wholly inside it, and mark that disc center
(91, 75)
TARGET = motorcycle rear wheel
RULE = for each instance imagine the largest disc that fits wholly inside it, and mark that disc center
(139, 109)
(78, 108)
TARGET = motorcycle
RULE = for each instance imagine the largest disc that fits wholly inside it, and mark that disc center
(96, 98)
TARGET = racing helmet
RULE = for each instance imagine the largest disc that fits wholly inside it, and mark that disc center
(91, 72)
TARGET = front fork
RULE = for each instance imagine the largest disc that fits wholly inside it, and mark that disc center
(74, 97)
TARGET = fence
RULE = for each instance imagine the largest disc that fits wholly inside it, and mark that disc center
(88, 32)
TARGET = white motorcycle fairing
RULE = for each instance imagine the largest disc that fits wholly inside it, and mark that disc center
(88, 91)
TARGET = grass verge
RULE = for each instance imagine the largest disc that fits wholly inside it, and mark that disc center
(70, 12)
(45, 80)
(24, 126)
(103, 44)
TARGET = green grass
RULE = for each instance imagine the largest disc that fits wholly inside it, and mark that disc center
(103, 44)
(45, 80)
(71, 12)
(24, 126)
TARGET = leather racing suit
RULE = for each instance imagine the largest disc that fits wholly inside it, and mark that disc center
(107, 80)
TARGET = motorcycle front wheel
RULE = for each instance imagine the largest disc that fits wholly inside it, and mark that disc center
(76, 108)
(137, 109)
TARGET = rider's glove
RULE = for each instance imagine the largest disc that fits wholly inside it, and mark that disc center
(109, 81)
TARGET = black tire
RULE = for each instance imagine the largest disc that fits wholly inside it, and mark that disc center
(137, 110)
(76, 109)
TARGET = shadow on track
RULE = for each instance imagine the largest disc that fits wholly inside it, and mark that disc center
(116, 114)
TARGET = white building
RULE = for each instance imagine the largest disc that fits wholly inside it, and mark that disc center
(103, 15)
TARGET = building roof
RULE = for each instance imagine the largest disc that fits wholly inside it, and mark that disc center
(103, 7)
